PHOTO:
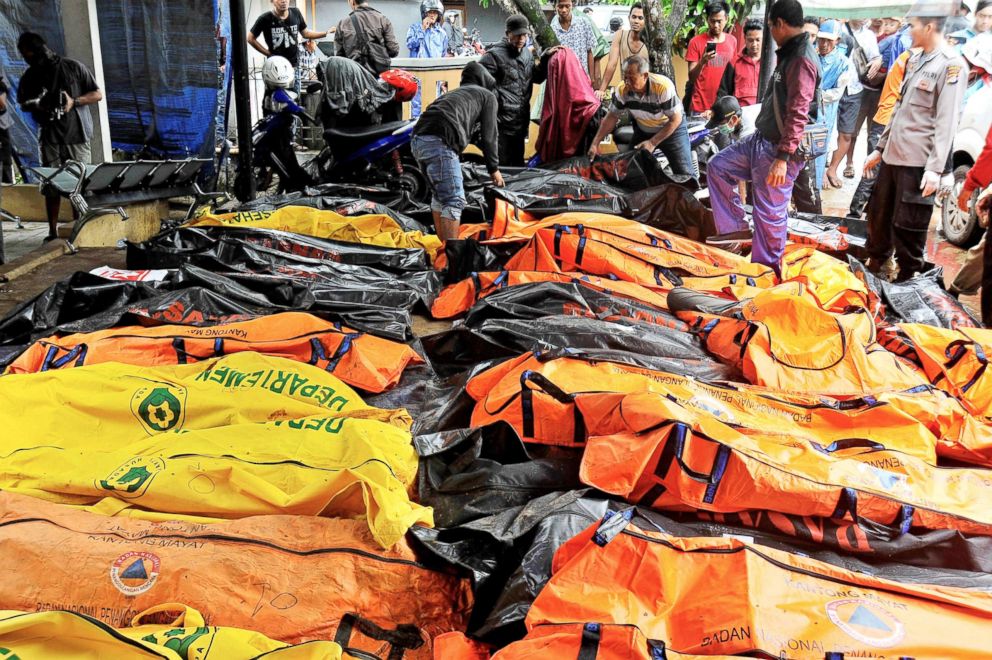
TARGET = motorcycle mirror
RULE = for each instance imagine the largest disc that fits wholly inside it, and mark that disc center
(315, 87)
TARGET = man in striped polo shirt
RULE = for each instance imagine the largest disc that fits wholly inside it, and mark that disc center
(651, 100)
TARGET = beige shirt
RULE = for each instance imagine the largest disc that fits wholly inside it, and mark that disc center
(925, 118)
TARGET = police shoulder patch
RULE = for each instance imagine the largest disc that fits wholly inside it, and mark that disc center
(953, 73)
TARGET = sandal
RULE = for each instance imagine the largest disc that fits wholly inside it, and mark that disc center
(849, 171)
(834, 181)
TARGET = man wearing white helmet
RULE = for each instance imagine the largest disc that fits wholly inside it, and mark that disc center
(914, 149)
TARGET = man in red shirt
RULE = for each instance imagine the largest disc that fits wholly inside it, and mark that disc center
(979, 176)
(708, 55)
(740, 79)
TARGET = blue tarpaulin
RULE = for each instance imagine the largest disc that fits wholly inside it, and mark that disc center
(160, 66)
(162, 74)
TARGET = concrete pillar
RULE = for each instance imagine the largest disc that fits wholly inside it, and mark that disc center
(81, 26)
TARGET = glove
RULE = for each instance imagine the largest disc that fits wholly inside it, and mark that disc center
(946, 187)
(930, 183)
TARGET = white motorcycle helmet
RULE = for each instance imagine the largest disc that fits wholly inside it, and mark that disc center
(277, 73)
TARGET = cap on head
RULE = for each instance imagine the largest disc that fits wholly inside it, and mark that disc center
(517, 25)
(724, 108)
(829, 30)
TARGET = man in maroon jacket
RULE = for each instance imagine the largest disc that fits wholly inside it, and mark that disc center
(767, 158)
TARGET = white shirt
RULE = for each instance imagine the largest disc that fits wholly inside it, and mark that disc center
(869, 44)
(854, 85)
(866, 39)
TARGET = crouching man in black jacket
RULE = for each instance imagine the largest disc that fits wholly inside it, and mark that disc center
(443, 131)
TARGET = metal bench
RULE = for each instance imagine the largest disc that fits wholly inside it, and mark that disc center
(95, 190)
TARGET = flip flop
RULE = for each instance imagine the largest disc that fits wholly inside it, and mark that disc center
(849, 171)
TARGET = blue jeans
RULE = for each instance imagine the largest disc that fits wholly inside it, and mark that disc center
(675, 147)
(444, 173)
(750, 160)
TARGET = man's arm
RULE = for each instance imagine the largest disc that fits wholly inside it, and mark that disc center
(254, 43)
(605, 127)
(890, 98)
(313, 34)
(697, 57)
(389, 38)
(884, 138)
(800, 90)
(414, 37)
(541, 65)
(24, 88)
(949, 102)
(591, 53)
(88, 98)
(611, 62)
(674, 121)
(488, 61)
(490, 141)
(253, 34)
(89, 91)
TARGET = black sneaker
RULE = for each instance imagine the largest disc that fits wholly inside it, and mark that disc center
(735, 241)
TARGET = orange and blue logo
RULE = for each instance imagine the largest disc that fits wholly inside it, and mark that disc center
(135, 573)
(866, 621)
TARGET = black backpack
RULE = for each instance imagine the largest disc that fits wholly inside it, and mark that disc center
(371, 55)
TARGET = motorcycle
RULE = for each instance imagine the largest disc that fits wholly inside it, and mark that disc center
(273, 155)
(377, 155)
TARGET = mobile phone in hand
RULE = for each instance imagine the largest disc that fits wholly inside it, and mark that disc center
(710, 46)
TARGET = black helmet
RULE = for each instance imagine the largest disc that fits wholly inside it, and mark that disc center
(431, 5)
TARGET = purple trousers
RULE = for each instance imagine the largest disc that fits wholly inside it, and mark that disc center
(749, 160)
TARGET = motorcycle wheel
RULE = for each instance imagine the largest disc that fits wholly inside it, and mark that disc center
(414, 181)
